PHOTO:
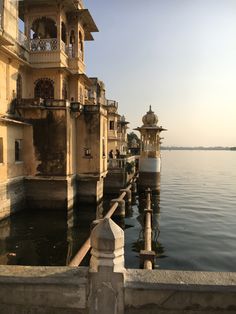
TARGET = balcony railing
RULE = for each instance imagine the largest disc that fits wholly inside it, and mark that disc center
(23, 40)
(120, 163)
(71, 52)
(44, 45)
(36, 102)
(112, 103)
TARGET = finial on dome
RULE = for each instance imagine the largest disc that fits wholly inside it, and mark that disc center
(150, 108)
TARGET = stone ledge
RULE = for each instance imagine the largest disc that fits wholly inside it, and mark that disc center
(183, 280)
(43, 275)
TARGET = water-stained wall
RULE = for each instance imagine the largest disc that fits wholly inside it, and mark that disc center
(49, 137)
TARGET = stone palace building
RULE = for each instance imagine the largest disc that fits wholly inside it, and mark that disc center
(54, 120)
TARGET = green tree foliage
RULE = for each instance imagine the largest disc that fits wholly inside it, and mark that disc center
(131, 137)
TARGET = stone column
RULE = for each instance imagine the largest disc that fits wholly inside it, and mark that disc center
(106, 292)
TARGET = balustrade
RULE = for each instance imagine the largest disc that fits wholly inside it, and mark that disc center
(119, 163)
(23, 40)
(44, 45)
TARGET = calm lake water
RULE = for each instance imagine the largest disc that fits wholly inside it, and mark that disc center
(194, 219)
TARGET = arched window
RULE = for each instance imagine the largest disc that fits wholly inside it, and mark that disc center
(19, 87)
(44, 88)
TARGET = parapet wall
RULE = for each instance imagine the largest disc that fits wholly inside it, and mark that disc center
(174, 292)
(49, 290)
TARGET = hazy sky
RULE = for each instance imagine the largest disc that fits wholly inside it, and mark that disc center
(178, 56)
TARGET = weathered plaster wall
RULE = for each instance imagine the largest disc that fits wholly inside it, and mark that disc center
(8, 74)
(88, 131)
(31, 76)
(49, 134)
(10, 132)
(10, 18)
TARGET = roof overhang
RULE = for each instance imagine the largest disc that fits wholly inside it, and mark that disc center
(84, 16)
(84, 79)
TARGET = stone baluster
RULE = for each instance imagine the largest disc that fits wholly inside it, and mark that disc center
(106, 292)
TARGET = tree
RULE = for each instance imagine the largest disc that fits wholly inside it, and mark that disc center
(133, 140)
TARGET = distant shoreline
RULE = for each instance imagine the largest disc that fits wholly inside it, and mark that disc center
(198, 148)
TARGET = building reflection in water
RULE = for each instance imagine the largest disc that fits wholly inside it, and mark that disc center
(155, 205)
(50, 238)
(79, 221)
(45, 238)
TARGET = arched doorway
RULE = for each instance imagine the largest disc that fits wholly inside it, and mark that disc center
(44, 88)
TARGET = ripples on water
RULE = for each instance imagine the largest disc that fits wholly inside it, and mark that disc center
(198, 210)
(195, 220)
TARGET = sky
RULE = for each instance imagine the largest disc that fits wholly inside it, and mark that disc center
(179, 56)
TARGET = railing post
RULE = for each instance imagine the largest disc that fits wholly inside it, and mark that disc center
(106, 290)
(120, 211)
(147, 256)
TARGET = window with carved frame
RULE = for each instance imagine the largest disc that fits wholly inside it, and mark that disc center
(44, 88)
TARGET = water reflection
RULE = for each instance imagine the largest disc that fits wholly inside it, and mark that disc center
(50, 238)
(46, 238)
(33, 238)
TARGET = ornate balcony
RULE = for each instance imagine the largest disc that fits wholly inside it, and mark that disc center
(43, 45)
(48, 52)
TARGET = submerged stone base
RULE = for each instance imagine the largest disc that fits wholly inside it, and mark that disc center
(39, 192)
(12, 196)
(116, 180)
(90, 190)
(150, 180)
(50, 192)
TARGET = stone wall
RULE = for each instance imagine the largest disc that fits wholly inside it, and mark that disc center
(48, 290)
(12, 196)
(173, 292)
(50, 192)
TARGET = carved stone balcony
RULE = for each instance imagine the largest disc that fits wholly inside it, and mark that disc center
(42, 45)
(49, 52)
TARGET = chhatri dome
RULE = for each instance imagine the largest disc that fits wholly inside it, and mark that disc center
(150, 119)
